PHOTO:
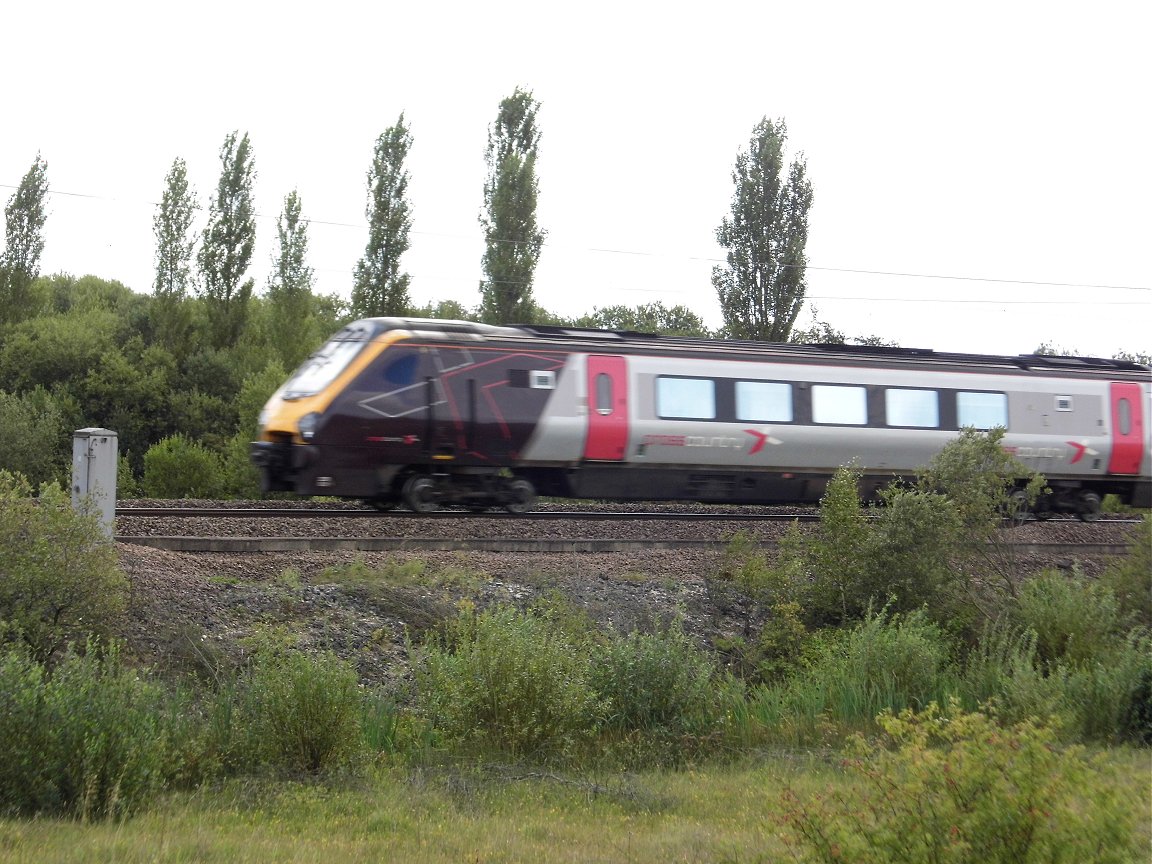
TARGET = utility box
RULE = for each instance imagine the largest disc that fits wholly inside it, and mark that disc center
(94, 459)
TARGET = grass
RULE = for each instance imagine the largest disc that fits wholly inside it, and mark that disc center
(719, 813)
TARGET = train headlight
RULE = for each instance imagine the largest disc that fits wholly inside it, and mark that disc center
(308, 425)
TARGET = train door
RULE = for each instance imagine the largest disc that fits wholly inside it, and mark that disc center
(607, 408)
(1127, 428)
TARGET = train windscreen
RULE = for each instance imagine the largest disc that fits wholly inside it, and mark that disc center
(321, 369)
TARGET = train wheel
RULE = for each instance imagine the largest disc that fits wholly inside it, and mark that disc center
(420, 494)
(1088, 507)
(521, 496)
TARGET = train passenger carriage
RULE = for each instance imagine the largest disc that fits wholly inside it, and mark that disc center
(425, 412)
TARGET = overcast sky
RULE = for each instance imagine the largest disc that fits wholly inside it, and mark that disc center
(981, 170)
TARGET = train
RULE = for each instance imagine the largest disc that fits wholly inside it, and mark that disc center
(434, 413)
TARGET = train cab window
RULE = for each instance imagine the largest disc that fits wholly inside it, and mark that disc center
(916, 408)
(840, 404)
(685, 398)
(763, 402)
(322, 368)
(603, 393)
(981, 410)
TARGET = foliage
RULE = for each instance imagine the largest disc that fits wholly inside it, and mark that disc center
(1130, 577)
(24, 218)
(290, 286)
(34, 430)
(59, 581)
(761, 290)
(87, 739)
(925, 546)
(446, 310)
(379, 287)
(229, 239)
(513, 239)
(950, 786)
(297, 712)
(655, 682)
(55, 351)
(174, 281)
(176, 467)
(647, 318)
(506, 680)
(1074, 619)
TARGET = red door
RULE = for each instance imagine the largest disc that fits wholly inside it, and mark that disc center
(607, 408)
(1127, 429)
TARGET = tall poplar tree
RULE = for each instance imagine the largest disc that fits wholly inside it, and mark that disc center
(290, 285)
(24, 219)
(380, 288)
(762, 289)
(175, 242)
(229, 240)
(513, 238)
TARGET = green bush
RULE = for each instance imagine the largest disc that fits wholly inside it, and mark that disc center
(35, 435)
(89, 739)
(1074, 619)
(59, 579)
(655, 683)
(506, 680)
(1130, 577)
(886, 662)
(290, 712)
(176, 467)
(957, 787)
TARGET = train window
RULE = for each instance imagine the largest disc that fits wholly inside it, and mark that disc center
(603, 393)
(1063, 403)
(686, 398)
(982, 410)
(918, 408)
(402, 371)
(840, 404)
(1123, 417)
(763, 402)
(321, 369)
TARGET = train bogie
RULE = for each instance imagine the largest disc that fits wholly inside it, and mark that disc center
(428, 413)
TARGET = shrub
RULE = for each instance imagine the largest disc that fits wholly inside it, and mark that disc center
(655, 682)
(1074, 620)
(59, 579)
(1130, 577)
(956, 787)
(35, 435)
(886, 662)
(88, 739)
(176, 467)
(291, 712)
(508, 680)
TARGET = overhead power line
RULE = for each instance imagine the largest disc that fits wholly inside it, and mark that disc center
(643, 253)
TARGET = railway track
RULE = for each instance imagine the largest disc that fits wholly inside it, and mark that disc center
(547, 531)
(545, 515)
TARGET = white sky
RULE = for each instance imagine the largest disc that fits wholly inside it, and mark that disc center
(998, 144)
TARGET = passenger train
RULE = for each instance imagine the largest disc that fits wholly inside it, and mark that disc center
(430, 413)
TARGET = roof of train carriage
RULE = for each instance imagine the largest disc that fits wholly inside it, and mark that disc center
(633, 340)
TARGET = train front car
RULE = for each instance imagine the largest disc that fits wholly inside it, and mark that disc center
(413, 411)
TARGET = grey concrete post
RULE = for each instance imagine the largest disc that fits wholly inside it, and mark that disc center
(94, 459)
